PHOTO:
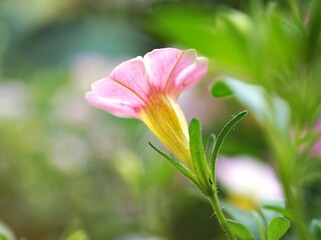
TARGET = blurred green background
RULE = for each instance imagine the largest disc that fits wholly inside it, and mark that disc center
(65, 165)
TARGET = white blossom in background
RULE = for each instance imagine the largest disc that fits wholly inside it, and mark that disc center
(247, 177)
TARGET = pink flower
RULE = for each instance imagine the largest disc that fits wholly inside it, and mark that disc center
(147, 88)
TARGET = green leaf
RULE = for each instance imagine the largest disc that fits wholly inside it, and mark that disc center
(226, 129)
(278, 226)
(315, 229)
(210, 147)
(242, 216)
(198, 157)
(176, 163)
(239, 230)
(220, 89)
(218, 36)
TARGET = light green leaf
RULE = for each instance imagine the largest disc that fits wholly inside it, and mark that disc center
(239, 230)
(261, 224)
(268, 108)
(277, 228)
(176, 163)
(242, 216)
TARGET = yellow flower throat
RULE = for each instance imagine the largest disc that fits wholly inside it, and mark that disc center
(165, 119)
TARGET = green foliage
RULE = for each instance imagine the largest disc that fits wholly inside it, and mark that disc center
(270, 109)
(78, 235)
(240, 231)
(315, 229)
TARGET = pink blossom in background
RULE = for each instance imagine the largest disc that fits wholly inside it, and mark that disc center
(147, 88)
(245, 176)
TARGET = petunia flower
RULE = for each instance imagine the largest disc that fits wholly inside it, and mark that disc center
(147, 88)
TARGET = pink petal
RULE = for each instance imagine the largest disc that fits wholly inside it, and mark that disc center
(160, 64)
(115, 98)
(132, 74)
(173, 70)
(190, 75)
(119, 109)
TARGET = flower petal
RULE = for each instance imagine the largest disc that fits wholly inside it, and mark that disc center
(115, 98)
(189, 76)
(173, 70)
(132, 75)
(160, 64)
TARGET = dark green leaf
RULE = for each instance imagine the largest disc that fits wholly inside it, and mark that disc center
(220, 89)
(277, 228)
(239, 230)
(227, 128)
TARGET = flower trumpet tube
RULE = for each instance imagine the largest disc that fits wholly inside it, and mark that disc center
(147, 88)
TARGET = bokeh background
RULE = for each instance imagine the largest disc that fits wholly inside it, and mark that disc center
(67, 167)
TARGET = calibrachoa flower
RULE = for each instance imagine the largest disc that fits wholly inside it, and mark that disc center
(147, 88)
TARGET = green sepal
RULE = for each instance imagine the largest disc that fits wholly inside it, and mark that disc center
(239, 230)
(278, 226)
(177, 164)
(210, 147)
(226, 129)
(198, 157)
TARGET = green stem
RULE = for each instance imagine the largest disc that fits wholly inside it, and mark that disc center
(294, 203)
(220, 215)
(286, 166)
